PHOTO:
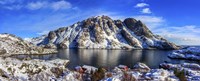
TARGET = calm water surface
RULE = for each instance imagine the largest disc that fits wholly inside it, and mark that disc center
(110, 58)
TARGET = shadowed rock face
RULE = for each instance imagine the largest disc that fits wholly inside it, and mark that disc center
(103, 32)
(119, 24)
(129, 38)
(138, 27)
(51, 35)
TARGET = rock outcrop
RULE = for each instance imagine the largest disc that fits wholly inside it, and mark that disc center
(185, 71)
(10, 44)
(12, 69)
(103, 32)
(189, 53)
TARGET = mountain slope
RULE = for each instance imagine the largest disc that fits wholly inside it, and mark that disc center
(103, 32)
(10, 44)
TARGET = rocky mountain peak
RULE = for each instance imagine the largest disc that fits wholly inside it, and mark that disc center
(104, 32)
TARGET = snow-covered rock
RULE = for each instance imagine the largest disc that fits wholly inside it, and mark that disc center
(190, 53)
(10, 44)
(55, 70)
(135, 75)
(161, 75)
(89, 69)
(141, 67)
(191, 70)
(123, 67)
(103, 32)
(36, 40)
(12, 69)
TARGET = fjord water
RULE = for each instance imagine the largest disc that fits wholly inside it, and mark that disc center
(109, 58)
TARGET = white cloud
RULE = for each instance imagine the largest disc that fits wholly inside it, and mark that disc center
(11, 4)
(183, 35)
(152, 19)
(50, 5)
(145, 8)
(43, 32)
(182, 39)
(181, 29)
(7, 1)
(61, 5)
(36, 5)
(146, 11)
(140, 5)
(45, 4)
(13, 7)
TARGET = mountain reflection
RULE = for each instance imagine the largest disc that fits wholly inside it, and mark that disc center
(111, 58)
(108, 58)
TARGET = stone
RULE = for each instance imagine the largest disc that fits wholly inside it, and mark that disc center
(141, 67)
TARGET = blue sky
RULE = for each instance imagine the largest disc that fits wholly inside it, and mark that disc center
(176, 20)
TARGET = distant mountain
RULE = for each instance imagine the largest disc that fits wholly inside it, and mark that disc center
(10, 44)
(103, 32)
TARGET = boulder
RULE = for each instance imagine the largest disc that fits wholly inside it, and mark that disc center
(141, 67)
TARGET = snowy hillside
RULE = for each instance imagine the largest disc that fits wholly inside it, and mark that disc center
(10, 44)
(103, 32)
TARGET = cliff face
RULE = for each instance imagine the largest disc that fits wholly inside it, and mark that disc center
(103, 32)
(10, 44)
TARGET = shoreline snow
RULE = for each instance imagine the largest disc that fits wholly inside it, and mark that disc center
(56, 69)
(189, 53)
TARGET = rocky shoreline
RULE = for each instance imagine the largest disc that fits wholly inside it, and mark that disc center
(31, 69)
(56, 69)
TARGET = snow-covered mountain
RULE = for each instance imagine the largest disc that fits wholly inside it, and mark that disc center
(103, 32)
(10, 44)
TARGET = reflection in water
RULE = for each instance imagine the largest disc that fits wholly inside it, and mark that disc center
(109, 58)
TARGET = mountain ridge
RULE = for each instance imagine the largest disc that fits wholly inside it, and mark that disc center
(105, 33)
(11, 45)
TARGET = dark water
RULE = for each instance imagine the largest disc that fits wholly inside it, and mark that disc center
(109, 58)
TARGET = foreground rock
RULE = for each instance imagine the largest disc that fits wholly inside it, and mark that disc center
(185, 71)
(10, 44)
(141, 67)
(123, 73)
(190, 53)
(12, 69)
(103, 32)
(35, 70)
